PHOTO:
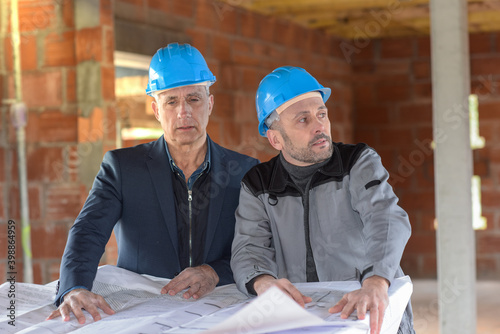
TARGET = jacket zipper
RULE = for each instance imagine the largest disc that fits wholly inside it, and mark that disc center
(190, 220)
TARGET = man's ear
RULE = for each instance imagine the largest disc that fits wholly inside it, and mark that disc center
(275, 139)
(154, 106)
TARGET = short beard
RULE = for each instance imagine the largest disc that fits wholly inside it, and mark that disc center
(307, 155)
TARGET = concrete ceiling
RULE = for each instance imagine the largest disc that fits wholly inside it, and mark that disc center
(373, 18)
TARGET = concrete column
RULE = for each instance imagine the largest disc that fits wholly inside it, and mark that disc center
(453, 166)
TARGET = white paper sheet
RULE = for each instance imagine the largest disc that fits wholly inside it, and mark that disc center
(140, 308)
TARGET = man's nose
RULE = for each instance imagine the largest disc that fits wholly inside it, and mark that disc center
(184, 110)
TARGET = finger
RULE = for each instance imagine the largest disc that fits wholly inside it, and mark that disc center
(296, 295)
(339, 306)
(374, 325)
(54, 315)
(65, 312)
(77, 311)
(380, 319)
(193, 289)
(92, 310)
(347, 310)
(103, 305)
(361, 309)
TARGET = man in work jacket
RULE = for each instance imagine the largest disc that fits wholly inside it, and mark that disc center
(319, 211)
(171, 202)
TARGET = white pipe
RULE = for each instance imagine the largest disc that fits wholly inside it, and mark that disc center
(19, 114)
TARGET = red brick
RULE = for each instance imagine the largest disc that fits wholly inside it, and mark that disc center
(109, 126)
(223, 107)
(42, 89)
(109, 35)
(487, 242)
(363, 67)
(429, 266)
(354, 51)
(365, 115)
(393, 92)
(485, 65)
(384, 67)
(33, 199)
(49, 241)
(489, 110)
(28, 51)
(422, 90)
(108, 82)
(422, 69)
(266, 29)
(396, 48)
(490, 198)
(3, 210)
(410, 265)
(209, 15)
(424, 47)
(62, 202)
(364, 95)
(106, 12)
(245, 108)
(89, 44)
(33, 18)
(421, 243)
(221, 48)
(480, 43)
(485, 266)
(42, 163)
(396, 137)
(60, 49)
(427, 221)
(70, 85)
(52, 126)
(68, 13)
(214, 130)
(422, 200)
(415, 114)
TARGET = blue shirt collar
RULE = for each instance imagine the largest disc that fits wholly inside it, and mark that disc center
(204, 167)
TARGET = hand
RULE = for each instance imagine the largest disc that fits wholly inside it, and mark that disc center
(371, 297)
(264, 282)
(200, 281)
(81, 299)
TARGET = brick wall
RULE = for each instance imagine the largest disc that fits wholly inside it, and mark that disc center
(392, 108)
(70, 127)
(65, 133)
(381, 94)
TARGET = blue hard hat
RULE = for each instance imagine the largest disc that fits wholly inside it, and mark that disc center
(177, 65)
(282, 85)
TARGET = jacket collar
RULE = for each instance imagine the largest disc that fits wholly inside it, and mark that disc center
(280, 178)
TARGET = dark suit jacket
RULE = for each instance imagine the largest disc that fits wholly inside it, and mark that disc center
(133, 194)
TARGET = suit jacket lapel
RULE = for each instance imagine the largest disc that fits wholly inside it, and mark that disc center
(161, 176)
(218, 173)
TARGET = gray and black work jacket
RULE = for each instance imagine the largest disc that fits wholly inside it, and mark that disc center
(357, 229)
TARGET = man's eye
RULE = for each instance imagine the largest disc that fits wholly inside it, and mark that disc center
(322, 115)
(171, 103)
(303, 120)
(194, 99)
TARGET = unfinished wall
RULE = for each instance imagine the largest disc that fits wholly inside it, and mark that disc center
(68, 85)
(392, 103)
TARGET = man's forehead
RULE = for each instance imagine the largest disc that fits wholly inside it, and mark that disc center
(182, 91)
(306, 105)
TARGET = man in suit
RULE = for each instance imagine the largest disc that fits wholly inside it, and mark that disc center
(170, 202)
